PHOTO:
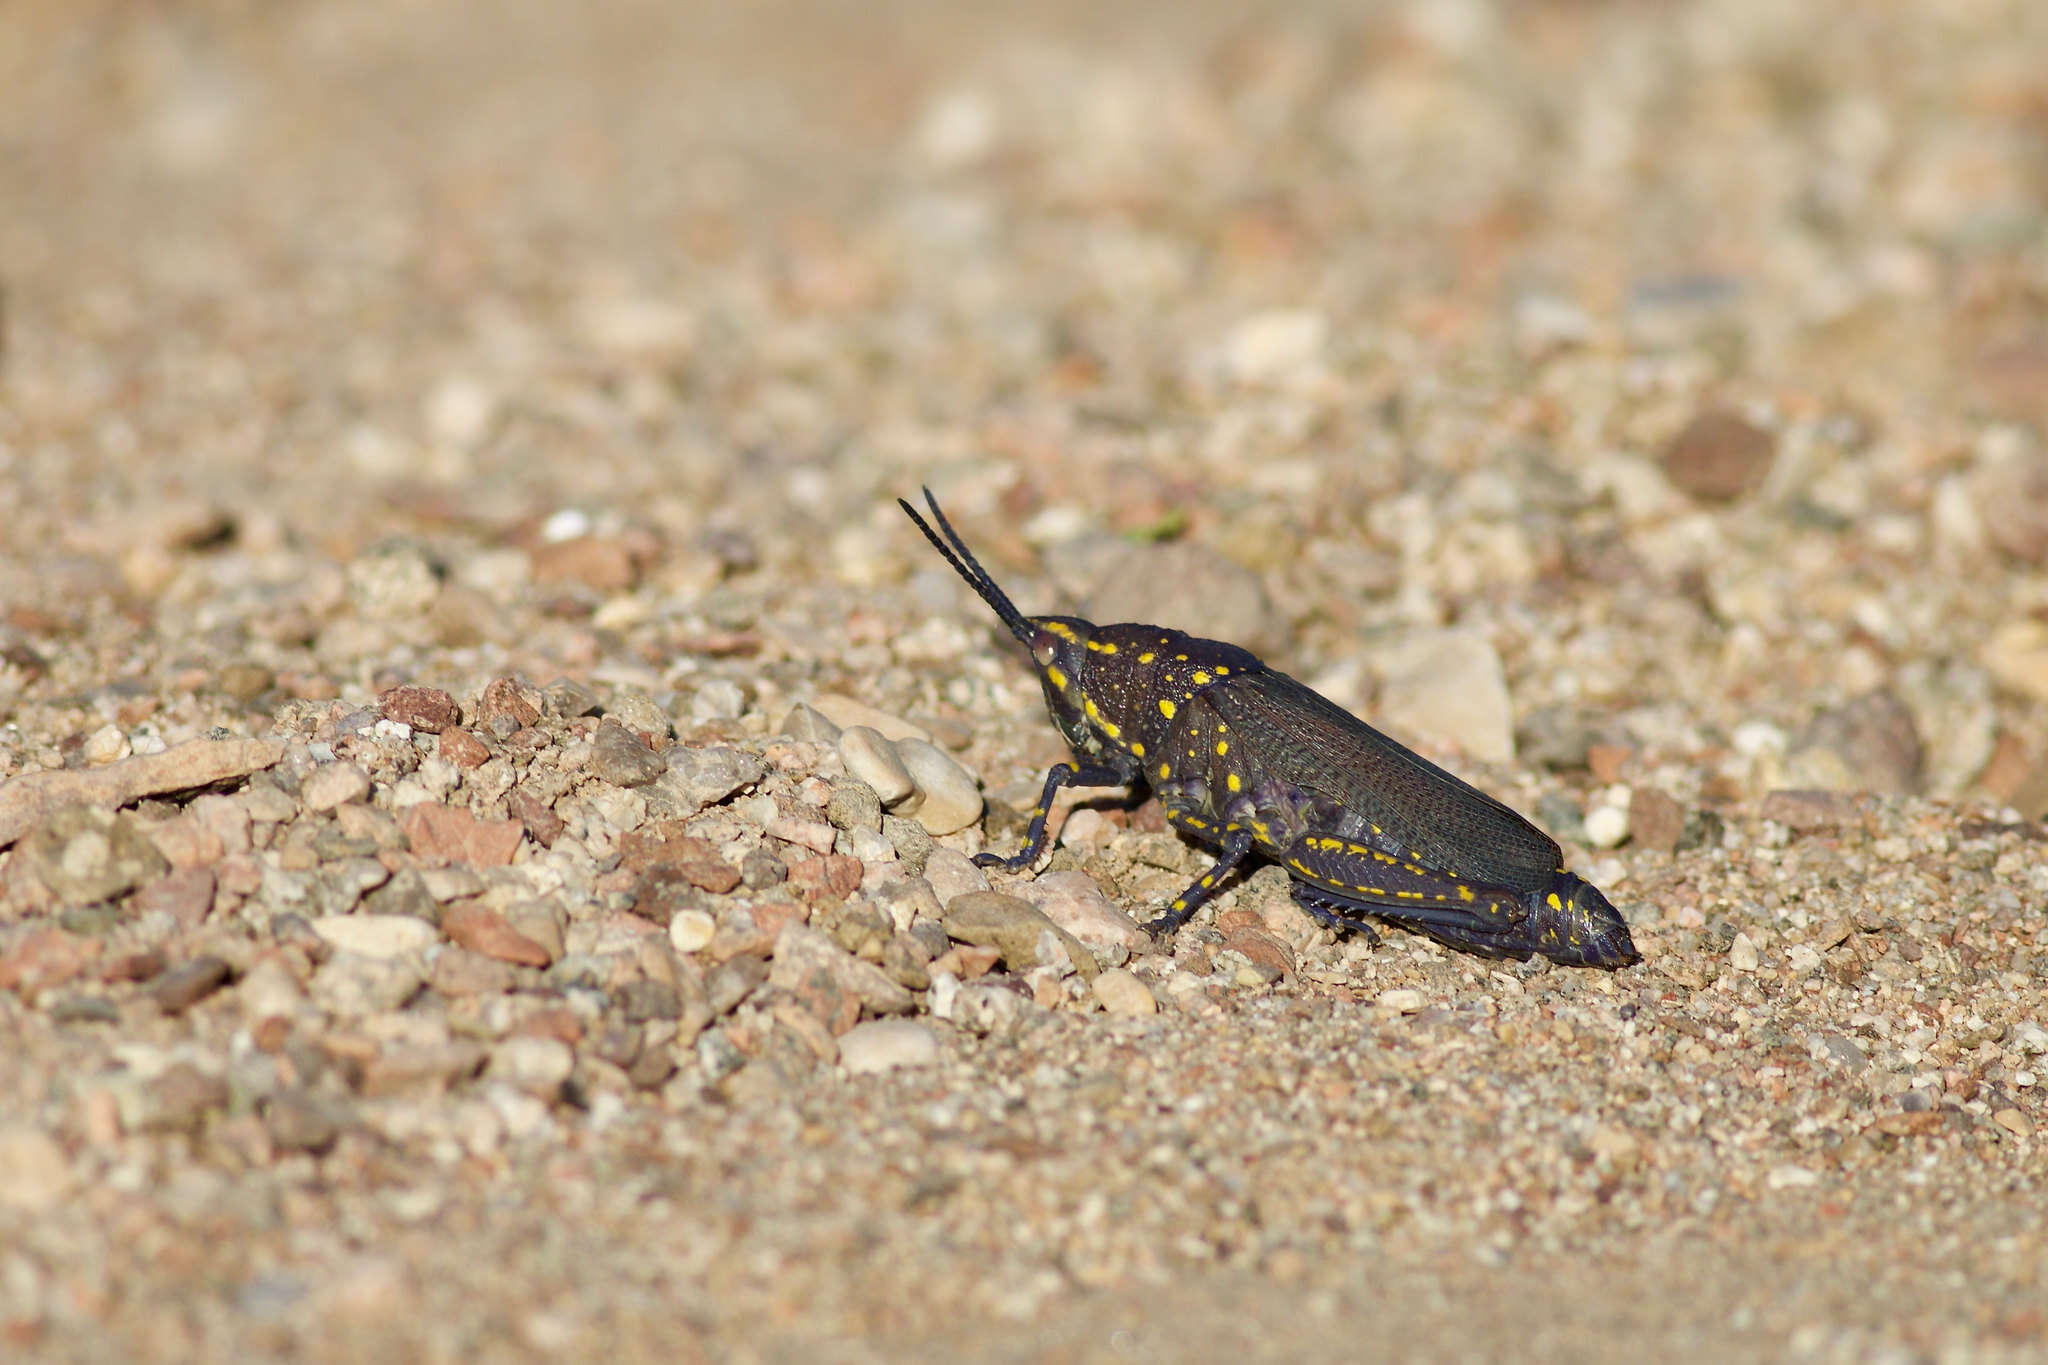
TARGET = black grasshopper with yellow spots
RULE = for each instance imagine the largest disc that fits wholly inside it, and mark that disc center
(1247, 759)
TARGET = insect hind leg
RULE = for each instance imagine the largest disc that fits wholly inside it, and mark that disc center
(1329, 910)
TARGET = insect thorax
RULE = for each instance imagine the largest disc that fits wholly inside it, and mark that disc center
(1123, 688)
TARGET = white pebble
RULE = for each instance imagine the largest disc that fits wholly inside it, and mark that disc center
(952, 798)
(886, 1044)
(105, 745)
(1402, 1001)
(380, 936)
(1742, 954)
(1606, 826)
(691, 930)
(337, 784)
(1123, 993)
(536, 1065)
(874, 760)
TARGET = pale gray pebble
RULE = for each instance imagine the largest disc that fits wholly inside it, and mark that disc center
(336, 784)
(952, 873)
(636, 711)
(887, 1044)
(377, 936)
(875, 761)
(708, 776)
(906, 900)
(571, 699)
(350, 985)
(869, 846)
(733, 981)
(617, 756)
(84, 854)
(267, 803)
(539, 1066)
(807, 961)
(854, 805)
(995, 1011)
(718, 699)
(952, 798)
(1120, 992)
(808, 723)
(1071, 899)
(912, 842)
(342, 884)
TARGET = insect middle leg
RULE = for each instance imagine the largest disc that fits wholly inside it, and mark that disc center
(1237, 843)
(1062, 775)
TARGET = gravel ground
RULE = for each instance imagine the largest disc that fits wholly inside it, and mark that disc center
(487, 773)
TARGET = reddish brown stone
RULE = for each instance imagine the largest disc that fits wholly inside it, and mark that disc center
(458, 971)
(135, 966)
(559, 1022)
(1809, 810)
(481, 929)
(1608, 760)
(423, 708)
(537, 815)
(1719, 456)
(511, 699)
(45, 958)
(447, 834)
(600, 562)
(1655, 821)
(463, 749)
(714, 875)
(837, 873)
(186, 896)
(187, 841)
(967, 961)
(1261, 947)
(188, 983)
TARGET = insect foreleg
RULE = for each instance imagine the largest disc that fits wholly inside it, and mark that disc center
(1062, 775)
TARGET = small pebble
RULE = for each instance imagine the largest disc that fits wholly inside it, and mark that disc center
(188, 983)
(1742, 954)
(1401, 1001)
(1120, 992)
(874, 760)
(952, 798)
(538, 1066)
(378, 936)
(691, 930)
(332, 785)
(617, 756)
(1606, 826)
(887, 1044)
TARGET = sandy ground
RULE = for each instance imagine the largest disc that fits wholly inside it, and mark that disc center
(1638, 408)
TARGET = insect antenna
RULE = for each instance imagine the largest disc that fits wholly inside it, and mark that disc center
(968, 567)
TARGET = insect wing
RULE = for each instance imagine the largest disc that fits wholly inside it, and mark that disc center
(1306, 739)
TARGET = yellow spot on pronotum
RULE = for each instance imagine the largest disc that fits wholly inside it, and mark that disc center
(1065, 632)
(1166, 709)
(1222, 671)
(1232, 783)
(1182, 657)
(1112, 729)
(1059, 679)
(1222, 747)
(1147, 657)
(1102, 646)
(1137, 749)
(1202, 679)
(1166, 770)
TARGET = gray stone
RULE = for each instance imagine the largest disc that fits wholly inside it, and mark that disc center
(84, 854)
(333, 785)
(618, 757)
(854, 806)
(1013, 928)
(887, 1044)
(350, 985)
(1071, 899)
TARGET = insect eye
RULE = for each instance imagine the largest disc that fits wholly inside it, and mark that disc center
(1045, 652)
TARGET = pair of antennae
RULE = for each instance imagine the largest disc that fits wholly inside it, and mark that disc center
(968, 567)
